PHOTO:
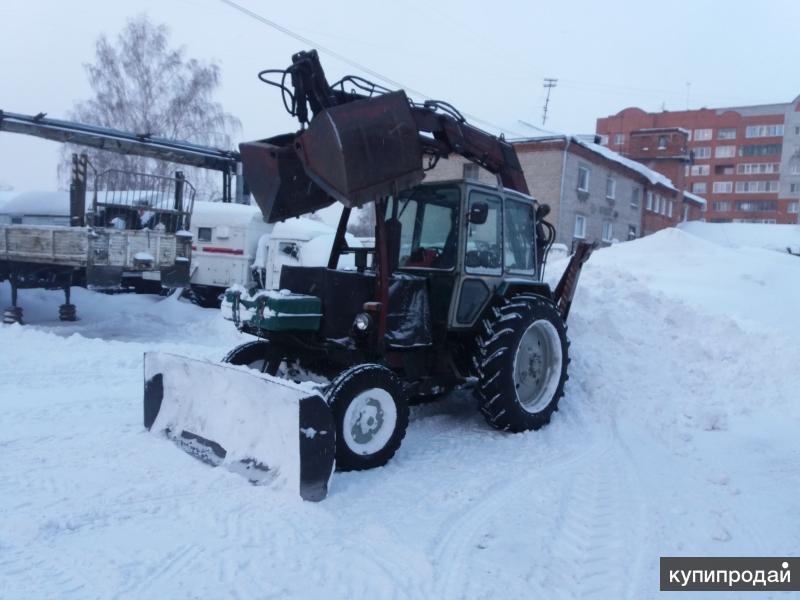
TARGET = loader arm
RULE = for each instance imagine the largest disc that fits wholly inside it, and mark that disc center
(360, 145)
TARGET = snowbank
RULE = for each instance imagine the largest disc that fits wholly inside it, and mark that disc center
(769, 236)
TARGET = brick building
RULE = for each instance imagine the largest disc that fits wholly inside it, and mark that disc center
(745, 161)
(594, 194)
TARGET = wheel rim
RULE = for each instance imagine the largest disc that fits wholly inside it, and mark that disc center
(537, 366)
(369, 421)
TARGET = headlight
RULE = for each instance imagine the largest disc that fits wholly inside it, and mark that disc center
(362, 322)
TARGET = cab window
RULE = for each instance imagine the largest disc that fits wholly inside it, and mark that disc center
(484, 241)
(518, 240)
(428, 220)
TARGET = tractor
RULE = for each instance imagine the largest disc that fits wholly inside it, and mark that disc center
(449, 297)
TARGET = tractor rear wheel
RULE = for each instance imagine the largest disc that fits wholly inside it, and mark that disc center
(522, 363)
(370, 409)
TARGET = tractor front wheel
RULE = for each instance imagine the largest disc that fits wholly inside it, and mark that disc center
(370, 409)
(522, 363)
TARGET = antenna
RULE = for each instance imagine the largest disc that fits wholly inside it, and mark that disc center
(549, 84)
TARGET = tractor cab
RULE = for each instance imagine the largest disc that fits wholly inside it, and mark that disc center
(466, 238)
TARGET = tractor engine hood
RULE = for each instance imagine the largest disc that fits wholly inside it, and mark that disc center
(353, 153)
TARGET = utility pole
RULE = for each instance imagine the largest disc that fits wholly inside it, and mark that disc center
(549, 84)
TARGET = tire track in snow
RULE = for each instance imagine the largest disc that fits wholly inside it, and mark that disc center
(459, 541)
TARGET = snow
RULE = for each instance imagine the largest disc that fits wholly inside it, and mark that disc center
(41, 203)
(224, 214)
(652, 176)
(144, 256)
(694, 198)
(677, 436)
(769, 236)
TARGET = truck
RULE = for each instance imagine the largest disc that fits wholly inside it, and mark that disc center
(450, 297)
(134, 231)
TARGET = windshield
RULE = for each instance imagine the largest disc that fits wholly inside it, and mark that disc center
(428, 221)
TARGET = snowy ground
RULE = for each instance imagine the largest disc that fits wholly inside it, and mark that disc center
(677, 436)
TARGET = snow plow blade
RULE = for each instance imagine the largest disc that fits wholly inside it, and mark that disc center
(269, 430)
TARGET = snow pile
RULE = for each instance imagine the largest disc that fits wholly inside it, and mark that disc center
(769, 236)
(677, 436)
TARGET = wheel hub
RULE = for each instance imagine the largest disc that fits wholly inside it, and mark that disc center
(369, 421)
(537, 366)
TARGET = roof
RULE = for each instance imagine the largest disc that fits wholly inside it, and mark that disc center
(654, 177)
(694, 198)
(211, 214)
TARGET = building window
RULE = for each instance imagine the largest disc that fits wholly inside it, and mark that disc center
(583, 179)
(669, 209)
(604, 140)
(619, 139)
(721, 206)
(580, 227)
(723, 187)
(649, 204)
(755, 131)
(701, 135)
(725, 151)
(611, 187)
(699, 187)
(632, 232)
(204, 234)
(662, 142)
(726, 133)
(757, 206)
(702, 152)
(793, 207)
(755, 187)
(794, 188)
(761, 168)
(700, 170)
(759, 149)
(608, 231)
(795, 170)
(471, 171)
(635, 195)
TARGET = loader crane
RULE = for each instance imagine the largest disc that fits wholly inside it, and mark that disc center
(450, 296)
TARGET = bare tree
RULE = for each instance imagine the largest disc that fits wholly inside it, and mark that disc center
(142, 84)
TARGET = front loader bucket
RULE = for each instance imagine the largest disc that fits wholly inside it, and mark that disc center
(355, 153)
(270, 430)
(278, 181)
(364, 150)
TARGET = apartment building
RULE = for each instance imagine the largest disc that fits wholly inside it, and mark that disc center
(745, 161)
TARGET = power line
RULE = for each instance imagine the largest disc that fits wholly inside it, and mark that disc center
(344, 59)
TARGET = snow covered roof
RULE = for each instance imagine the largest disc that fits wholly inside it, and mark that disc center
(654, 177)
(694, 198)
(301, 228)
(212, 214)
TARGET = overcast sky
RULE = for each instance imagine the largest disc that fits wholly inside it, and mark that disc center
(487, 58)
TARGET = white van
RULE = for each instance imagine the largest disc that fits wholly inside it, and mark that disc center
(224, 242)
(233, 245)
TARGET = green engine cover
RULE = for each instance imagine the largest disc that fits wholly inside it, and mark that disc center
(276, 311)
